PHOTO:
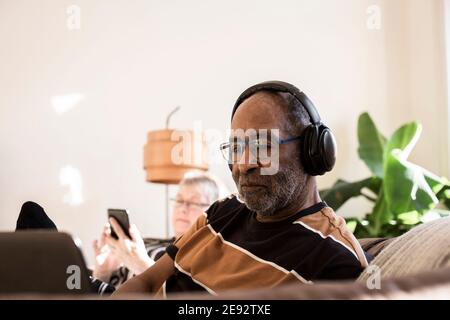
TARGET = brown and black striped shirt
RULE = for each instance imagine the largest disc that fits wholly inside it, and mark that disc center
(229, 248)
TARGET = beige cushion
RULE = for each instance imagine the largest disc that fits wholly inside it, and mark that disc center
(424, 248)
(374, 246)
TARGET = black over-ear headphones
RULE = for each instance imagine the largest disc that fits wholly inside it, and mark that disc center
(318, 146)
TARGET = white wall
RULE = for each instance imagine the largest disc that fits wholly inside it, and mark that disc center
(135, 60)
(416, 80)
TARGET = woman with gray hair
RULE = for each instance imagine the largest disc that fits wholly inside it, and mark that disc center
(197, 191)
(116, 260)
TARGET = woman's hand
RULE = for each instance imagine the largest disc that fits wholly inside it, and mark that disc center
(130, 252)
(105, 262)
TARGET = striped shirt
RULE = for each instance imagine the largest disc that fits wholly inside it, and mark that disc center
(229, 248)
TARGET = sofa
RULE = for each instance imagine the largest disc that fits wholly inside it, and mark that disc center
(415, 265)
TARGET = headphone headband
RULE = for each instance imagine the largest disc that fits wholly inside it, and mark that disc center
(280, 86)
(318, 146)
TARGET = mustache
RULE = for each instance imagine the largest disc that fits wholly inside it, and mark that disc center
(253, 179)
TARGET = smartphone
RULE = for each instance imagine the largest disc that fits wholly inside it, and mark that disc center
(122, 217)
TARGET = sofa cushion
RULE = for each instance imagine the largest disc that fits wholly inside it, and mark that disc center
(424, 248)
(374, 246)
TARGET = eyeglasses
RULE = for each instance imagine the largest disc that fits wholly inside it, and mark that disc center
(262, 150)
(189, 205)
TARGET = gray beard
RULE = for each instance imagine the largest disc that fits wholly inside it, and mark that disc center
(280, 192)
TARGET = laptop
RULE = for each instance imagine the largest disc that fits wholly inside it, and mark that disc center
(43, 262)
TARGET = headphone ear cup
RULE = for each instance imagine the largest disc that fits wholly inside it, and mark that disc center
(318, 152)
(313, 140)
(309, 134)
(328, 149)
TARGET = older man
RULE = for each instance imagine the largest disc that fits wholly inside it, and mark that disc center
(276, 230)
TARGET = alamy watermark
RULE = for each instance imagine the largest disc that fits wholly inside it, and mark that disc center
(373, 21)
(373, 282)
(73, 21)
(252, 147)
(73, 281)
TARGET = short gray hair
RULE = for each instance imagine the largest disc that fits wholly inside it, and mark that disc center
(207, 183)
(297, 116)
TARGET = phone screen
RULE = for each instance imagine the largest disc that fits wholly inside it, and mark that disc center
(122, 217)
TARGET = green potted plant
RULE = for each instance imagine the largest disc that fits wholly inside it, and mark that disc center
(403, 194)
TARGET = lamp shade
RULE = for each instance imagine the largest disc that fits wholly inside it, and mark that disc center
(169, 154)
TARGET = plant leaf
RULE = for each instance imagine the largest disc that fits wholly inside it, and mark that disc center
(342, 191)
(379, 216)
(360, 230)
(404, 138)
(410, 218)
(444, 196)
(351, 225)
(371, 144)
(405, 186)
(440, 185)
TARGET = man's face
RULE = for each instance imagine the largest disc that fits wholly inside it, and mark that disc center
(266, 194)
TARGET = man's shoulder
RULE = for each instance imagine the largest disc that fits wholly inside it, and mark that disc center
(332, 228)
(323, 221)
(228, 205)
